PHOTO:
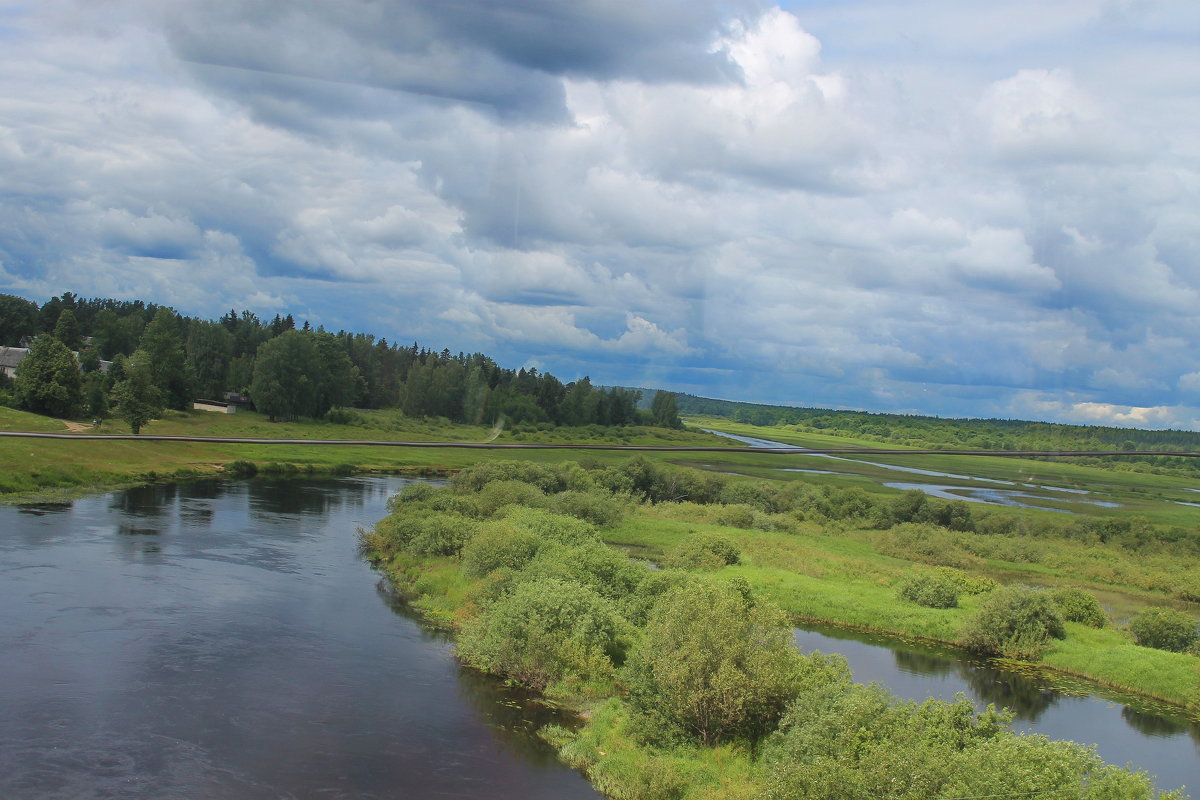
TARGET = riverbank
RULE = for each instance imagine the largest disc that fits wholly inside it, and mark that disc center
(44, 470)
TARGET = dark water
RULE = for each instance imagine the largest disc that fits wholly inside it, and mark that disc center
(1163, 742)
(225, 641)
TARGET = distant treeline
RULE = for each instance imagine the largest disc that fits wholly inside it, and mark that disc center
(291, 371)
(936, 432)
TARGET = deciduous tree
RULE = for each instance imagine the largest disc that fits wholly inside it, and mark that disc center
(48, 379)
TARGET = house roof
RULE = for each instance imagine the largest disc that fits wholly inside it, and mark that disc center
(11, 356)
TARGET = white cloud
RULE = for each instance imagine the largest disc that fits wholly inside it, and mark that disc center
(848, 204)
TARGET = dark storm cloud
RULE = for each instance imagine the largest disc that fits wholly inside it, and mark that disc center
(505, 56)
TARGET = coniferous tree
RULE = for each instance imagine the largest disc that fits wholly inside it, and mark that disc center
(66, 330)
(163, 346)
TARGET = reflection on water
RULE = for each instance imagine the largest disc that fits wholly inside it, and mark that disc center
(1165, 743)
(226, 640)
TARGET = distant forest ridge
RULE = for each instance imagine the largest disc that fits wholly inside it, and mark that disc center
(288, 371)
(926, 431)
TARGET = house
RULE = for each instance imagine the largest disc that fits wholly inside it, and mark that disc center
(218, 406)
(10, 357)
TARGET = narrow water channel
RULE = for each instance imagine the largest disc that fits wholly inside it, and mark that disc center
(226, 641)
(1162, 741)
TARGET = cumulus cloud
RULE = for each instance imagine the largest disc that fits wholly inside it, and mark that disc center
(961, 208)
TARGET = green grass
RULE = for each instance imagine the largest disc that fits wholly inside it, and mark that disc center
(825, 575)
(42, 469)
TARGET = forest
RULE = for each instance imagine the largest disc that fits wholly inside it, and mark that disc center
(94, 356)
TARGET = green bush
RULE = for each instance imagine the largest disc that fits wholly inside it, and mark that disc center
(930, 589)
(758, 495)
(703, 551)
(712, 666)
(1015, 622)
(442, 535)
(481, 473)
(500, 494)
(544, 632)
(499, 544)
(1077, 605)
(925, 543)
(737, 515)
(1164, 629)
(240, 469)
(417, 492)
(597, 507)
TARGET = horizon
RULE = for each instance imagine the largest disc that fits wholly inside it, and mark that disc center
(941, 209)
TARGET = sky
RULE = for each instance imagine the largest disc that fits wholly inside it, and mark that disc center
(950, 207)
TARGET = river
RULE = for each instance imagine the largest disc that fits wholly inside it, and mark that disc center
(225, 640)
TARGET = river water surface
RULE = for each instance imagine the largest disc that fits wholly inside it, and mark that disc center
(226, 641)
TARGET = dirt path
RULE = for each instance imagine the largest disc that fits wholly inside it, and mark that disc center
(75, 427)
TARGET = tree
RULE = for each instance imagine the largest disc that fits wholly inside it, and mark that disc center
(137, 398)
(164, 348)
(714, 664)
(665, 410)
(209, 353)
(287, 376)
(48, 379)
(18, 317)
(66, 330)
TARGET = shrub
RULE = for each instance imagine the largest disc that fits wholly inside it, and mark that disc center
(240, 469)
(546, 631)
(598, 508)
(592, 564)
(500, 494)
(478, 475)
(704, 551)
(1015, 622)
(442, 535)
(713, 666)
(417, 492)
(758, 495)
(344, 416)
(966, 582)
(1076, 605)
(499, 544)
(925, 543)
(550, 526)
(931, 590)
(737, 515)
(1164, 629)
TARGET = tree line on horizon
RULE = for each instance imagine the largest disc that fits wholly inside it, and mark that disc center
(915, 430)
(163, 359)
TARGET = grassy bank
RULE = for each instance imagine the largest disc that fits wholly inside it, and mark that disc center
(32, 470)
